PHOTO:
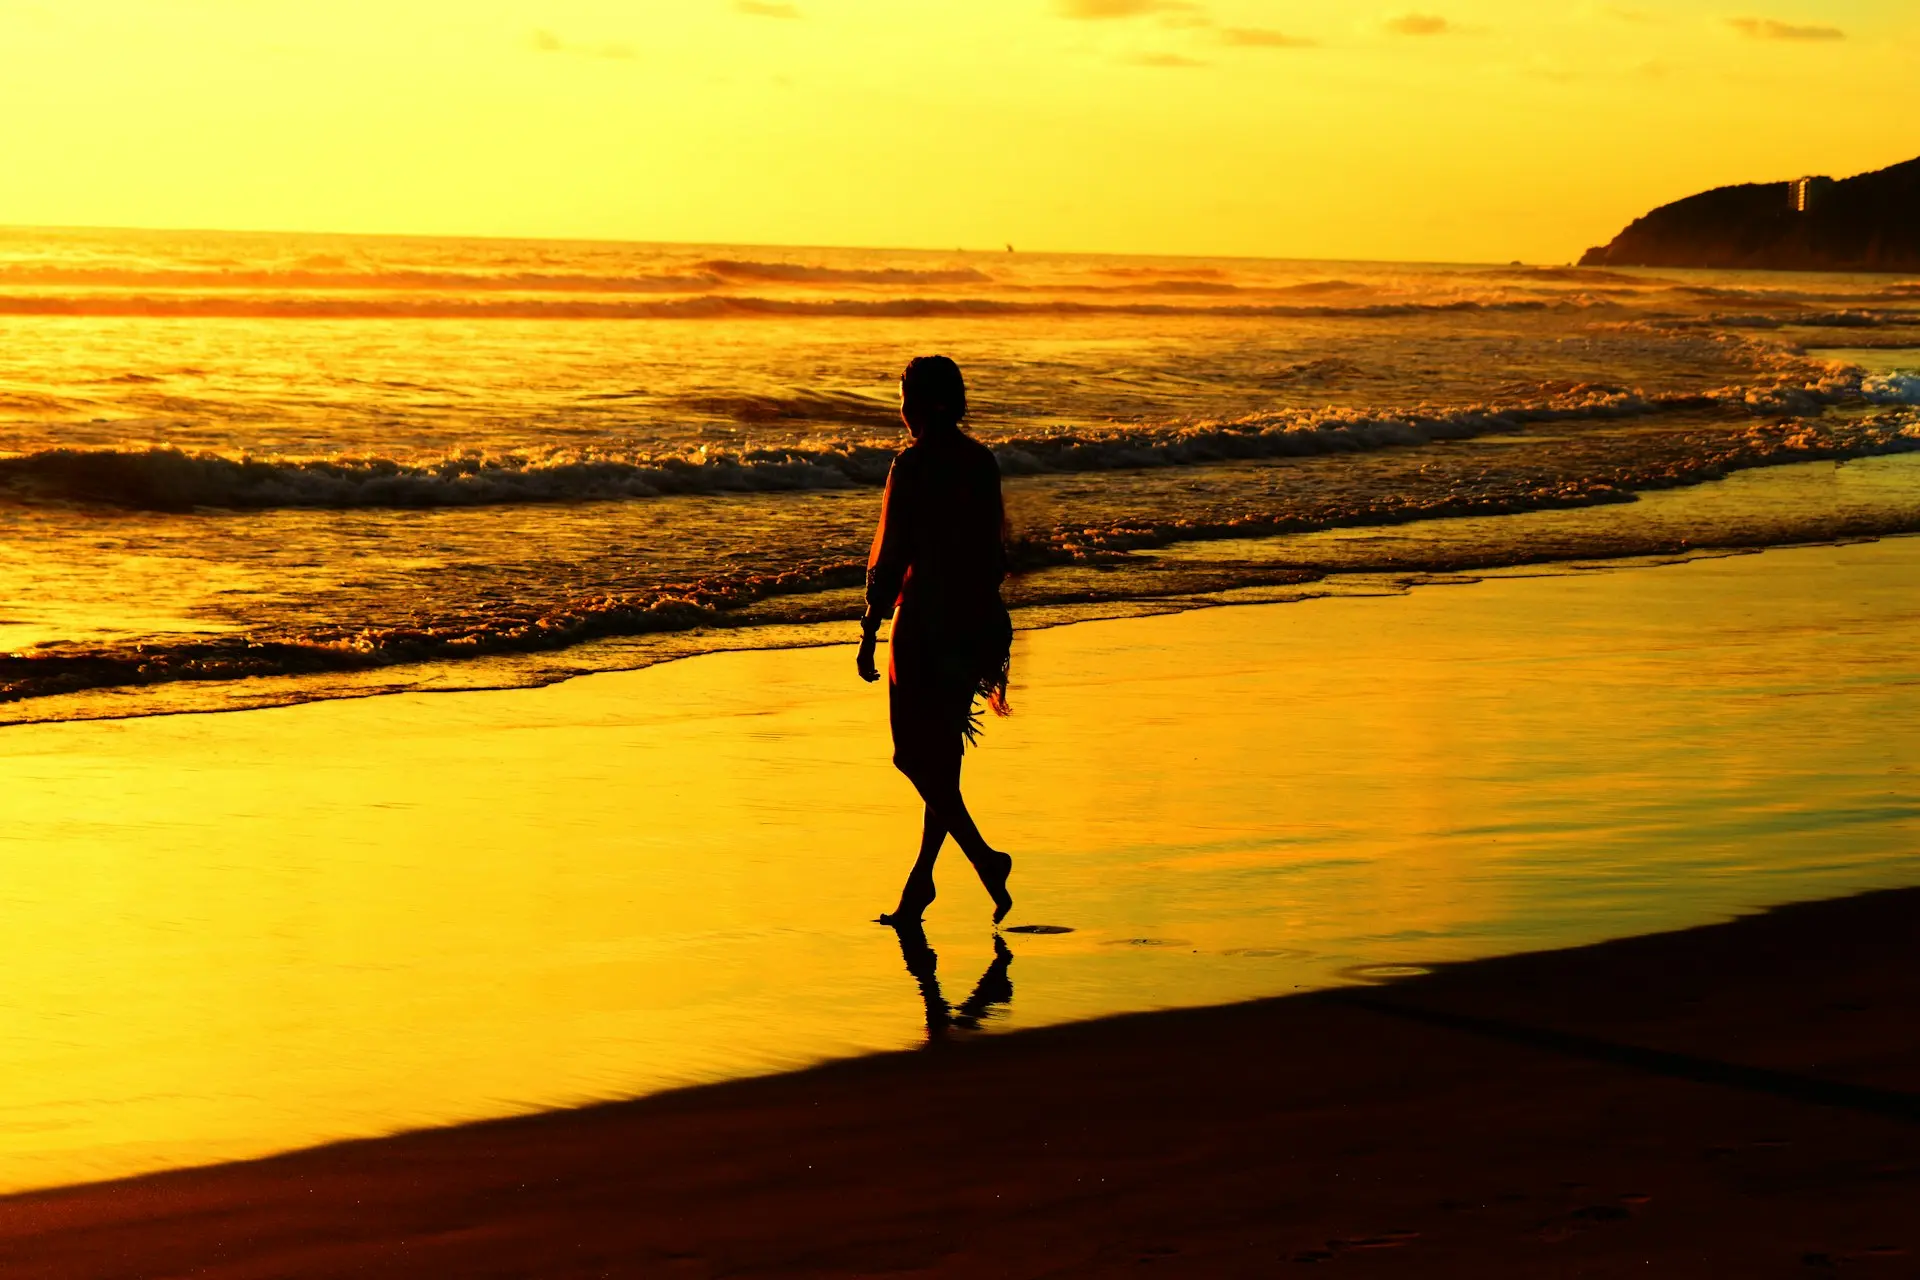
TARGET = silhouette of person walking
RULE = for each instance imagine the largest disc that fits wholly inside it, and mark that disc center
(937, 563)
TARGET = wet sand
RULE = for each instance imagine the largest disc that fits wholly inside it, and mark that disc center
(1740, 1099)
(236, 935)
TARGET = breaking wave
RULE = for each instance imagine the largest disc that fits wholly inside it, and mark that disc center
(713, 603)
(1134, 272)
(294, 279)
(803, 406)
(1850, 318)
(796, 273)
(1195, 284)
(702, 276)
(1213, 288)
(698, 307)
(170, 479)
(1566, 275)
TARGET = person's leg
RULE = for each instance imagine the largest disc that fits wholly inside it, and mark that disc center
(918, 892)
(927, 745)
(912, 741)
(939, 787)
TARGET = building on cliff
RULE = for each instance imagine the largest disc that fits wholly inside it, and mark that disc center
(1803, 193)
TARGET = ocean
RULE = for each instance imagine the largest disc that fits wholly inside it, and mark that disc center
(251, 469)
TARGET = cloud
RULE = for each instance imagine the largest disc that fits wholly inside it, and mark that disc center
(1120, 8)
(1420, 24)
(766, 9)
(1263, 38)
(544, 41)
(1165, 60)
(1768, 29)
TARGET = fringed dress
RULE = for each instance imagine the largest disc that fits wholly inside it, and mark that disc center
(938, 558)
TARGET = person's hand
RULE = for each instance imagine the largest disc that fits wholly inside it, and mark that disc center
(863, 661)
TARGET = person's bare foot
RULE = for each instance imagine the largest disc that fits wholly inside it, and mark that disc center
(915, 898)
(994, 874)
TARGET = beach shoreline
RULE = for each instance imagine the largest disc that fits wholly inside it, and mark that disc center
(257, 933)
(1734, 1099)
(1779, 506)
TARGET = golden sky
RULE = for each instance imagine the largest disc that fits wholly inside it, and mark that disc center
(1471, 130)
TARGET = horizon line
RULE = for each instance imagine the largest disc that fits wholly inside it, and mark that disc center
(1006, 251)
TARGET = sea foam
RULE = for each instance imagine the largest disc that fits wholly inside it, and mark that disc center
(172, 479)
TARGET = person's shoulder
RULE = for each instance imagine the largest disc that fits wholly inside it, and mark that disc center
(947, 452)
(907, 466)
(978, 451)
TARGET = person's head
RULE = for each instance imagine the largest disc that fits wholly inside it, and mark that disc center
(933, 395)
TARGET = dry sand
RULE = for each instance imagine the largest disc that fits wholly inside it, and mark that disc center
(1736, 1100)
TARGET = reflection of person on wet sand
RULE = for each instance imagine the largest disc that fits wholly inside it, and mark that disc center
(939, 556)
(994, 987)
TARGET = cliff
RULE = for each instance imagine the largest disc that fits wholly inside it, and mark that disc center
(1870, 222)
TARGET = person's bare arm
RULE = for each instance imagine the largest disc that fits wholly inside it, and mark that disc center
(886, 571)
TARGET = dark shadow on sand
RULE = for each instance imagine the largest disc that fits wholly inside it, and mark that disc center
(1679, 1066)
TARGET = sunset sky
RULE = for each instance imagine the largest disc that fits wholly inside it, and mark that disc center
(1460, 130)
